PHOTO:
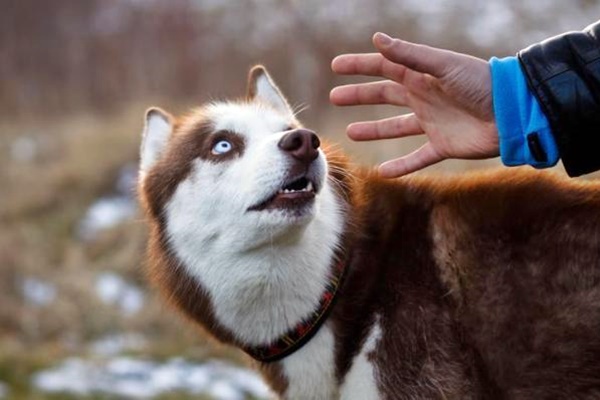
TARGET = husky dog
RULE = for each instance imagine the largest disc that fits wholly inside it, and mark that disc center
(342, 285)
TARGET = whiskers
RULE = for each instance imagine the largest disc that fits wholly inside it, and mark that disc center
(340, 174)
(299, 108)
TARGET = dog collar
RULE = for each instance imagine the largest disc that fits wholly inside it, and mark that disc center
(299, 335)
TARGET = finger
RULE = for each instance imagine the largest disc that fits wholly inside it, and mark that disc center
(395, 127)
(423, 157)
(417, 57)
(369, 64)
(382, 92)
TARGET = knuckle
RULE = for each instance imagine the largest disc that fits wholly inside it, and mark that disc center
(391, 70)
(380, 130)
(385, 93)
(418, 82)
(393, 93)
(398, 124)
(397, 44)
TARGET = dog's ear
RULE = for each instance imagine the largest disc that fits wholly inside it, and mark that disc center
(261, 87)
(157, 130)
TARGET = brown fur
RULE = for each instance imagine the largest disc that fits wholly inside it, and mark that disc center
(487, 285)
(274, 375)
(192, 138)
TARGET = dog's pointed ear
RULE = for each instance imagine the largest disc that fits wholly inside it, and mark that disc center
(261, 87)
(157, 130)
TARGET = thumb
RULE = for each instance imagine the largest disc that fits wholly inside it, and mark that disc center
(417, 57)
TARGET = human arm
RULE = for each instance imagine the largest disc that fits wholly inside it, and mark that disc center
(450, 95)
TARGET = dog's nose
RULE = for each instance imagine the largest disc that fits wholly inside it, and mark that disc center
(301, 144)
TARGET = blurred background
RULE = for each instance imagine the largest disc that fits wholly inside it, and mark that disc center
(77, 319)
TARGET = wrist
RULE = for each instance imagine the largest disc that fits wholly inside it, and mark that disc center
(525, 136)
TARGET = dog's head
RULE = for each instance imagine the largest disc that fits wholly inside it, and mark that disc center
(245, 210)
(236, 173)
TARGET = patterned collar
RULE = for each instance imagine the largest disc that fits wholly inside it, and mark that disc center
(299, 335)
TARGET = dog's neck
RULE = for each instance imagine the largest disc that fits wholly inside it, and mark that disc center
(296, 337)
(261, 293)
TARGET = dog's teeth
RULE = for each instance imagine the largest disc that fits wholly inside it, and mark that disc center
(309, 188)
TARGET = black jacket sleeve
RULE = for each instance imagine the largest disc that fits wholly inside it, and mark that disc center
(564, 74)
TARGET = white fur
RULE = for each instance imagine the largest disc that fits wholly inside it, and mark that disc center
(154, 139)
(312, 369)
(265, 271)
(267, 91)
(360, 382)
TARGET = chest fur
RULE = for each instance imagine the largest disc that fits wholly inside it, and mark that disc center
(311, 372)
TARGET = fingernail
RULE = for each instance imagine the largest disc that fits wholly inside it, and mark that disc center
(333, 63)
(350, 128)
(383, 39)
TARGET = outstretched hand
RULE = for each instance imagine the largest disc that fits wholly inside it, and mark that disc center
(449, 94)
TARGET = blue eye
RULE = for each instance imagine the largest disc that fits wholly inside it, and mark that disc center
(222, 147)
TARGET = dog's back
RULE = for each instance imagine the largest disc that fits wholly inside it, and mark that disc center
(485, 286)
(344, 285)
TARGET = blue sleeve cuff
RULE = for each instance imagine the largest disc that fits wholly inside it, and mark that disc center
(525, 133)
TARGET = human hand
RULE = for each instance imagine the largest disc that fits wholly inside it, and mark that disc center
(450, 95)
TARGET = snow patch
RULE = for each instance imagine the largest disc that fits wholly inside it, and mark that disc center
(110, 211)
(127, 180)
(114, 344)
(114, 290)
(133, 378)
(105, 213)
(38, 292)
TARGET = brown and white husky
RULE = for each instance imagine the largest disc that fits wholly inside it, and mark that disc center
(346, 286)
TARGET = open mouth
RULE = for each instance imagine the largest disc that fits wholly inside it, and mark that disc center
(293, 195)
(299, 185)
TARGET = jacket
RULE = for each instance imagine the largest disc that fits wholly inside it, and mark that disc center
(563, 73)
